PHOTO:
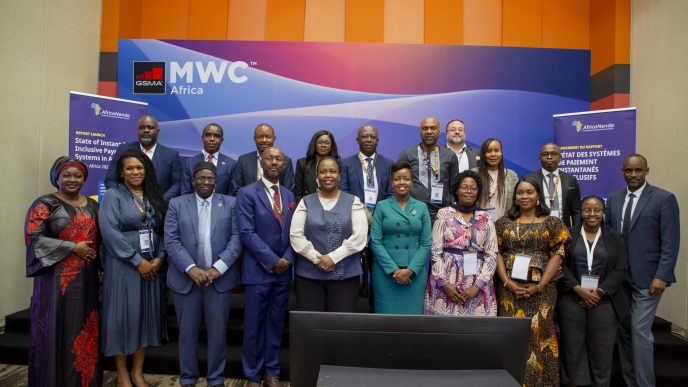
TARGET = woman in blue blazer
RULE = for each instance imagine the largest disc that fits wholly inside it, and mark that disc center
(400, 239)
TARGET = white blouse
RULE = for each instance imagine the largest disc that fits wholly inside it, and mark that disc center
(353, 244)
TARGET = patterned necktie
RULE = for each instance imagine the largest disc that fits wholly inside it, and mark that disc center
(627, 217)
(210, 158)
(553, 200)
(201, 259)
(369, 173)
(276, 208)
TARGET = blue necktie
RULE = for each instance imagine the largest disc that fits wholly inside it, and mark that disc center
(370, 176)
(201, 259)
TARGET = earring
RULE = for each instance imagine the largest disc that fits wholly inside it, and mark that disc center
(538, 203)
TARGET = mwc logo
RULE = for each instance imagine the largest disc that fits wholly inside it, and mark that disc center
(149, 78)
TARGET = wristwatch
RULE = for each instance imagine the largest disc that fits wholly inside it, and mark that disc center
(600, 292)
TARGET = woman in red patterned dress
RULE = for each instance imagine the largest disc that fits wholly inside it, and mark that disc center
(61, 233)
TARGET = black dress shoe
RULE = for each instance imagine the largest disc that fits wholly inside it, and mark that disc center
(251, 383)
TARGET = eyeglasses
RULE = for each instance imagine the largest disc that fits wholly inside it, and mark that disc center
(467, 188)
(596, 211)
(202, 179)
(324, 142)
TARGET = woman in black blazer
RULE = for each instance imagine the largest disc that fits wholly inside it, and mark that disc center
(593, 299)
(322, 144)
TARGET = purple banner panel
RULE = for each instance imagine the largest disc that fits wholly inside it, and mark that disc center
(97, 125)
(593, 147)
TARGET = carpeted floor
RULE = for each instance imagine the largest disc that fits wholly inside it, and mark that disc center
(16, 376)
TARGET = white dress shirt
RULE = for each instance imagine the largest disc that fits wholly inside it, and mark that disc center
(150, 152)
(215, 156)
(637, 194)
(545, 188)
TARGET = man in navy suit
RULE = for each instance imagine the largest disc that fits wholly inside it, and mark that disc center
(248, 168)
(202, 241)
(456, 141)
(367, 174)
(561, 190)
(212, 138)
(265, 208)
(648, 219)
(168, 167)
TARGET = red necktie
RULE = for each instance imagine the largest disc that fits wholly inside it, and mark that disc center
(210, 158)
(276, 203)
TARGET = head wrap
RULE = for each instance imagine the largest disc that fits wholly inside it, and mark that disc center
(62, 163)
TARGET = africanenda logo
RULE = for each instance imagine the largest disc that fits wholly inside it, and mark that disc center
(580, 127)
(96, 108)
(99, 111)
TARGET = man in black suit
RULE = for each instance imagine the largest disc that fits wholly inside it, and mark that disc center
(561, 190)
(248, 169)
(212, 139)
(456, 141)
(434, 168)
(168, 167)
(649, 222)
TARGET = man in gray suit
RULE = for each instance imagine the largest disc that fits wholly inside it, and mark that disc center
(456, 141)
(648, 219)
(434, 168)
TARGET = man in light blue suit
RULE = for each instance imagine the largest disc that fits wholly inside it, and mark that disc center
(265, 209)
(168, 167)
(248, 169)
(212, 138)
(648, 219)
(202, 239)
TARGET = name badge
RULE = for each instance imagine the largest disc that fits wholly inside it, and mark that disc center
(520, 268)
(370, 197)
(590, 282)
(555, 213)
(470, 263)
(493, 213)
(145, 241)
(436, 193)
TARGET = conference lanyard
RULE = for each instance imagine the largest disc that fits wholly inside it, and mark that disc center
(590, 250)
(552, 196)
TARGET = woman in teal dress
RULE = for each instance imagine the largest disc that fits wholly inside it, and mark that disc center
(400, 238)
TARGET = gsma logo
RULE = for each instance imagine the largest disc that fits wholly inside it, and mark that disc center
(149, 77)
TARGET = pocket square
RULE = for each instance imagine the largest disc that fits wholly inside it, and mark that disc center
(291, 205)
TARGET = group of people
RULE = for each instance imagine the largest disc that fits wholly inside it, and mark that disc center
(444, 230)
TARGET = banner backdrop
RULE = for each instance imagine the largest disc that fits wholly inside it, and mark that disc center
(593, 147)
(97, 125)
(301, 87)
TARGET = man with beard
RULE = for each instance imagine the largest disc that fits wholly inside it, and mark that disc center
(264, 211)
(433, 167)
(168, 167)
(212, 139)
(456, 141)
(248, 168)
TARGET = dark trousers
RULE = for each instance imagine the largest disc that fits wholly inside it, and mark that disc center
(327, 295)
(587, 338)
(265, 308)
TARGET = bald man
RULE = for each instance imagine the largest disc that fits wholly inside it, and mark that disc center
(433, 167)
(168, 167)
(249, 170)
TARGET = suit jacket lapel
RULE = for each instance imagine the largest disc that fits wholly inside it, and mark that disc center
(215, 208)
(221, 164)
(642, 202)
(262, 194)
(192, 210)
